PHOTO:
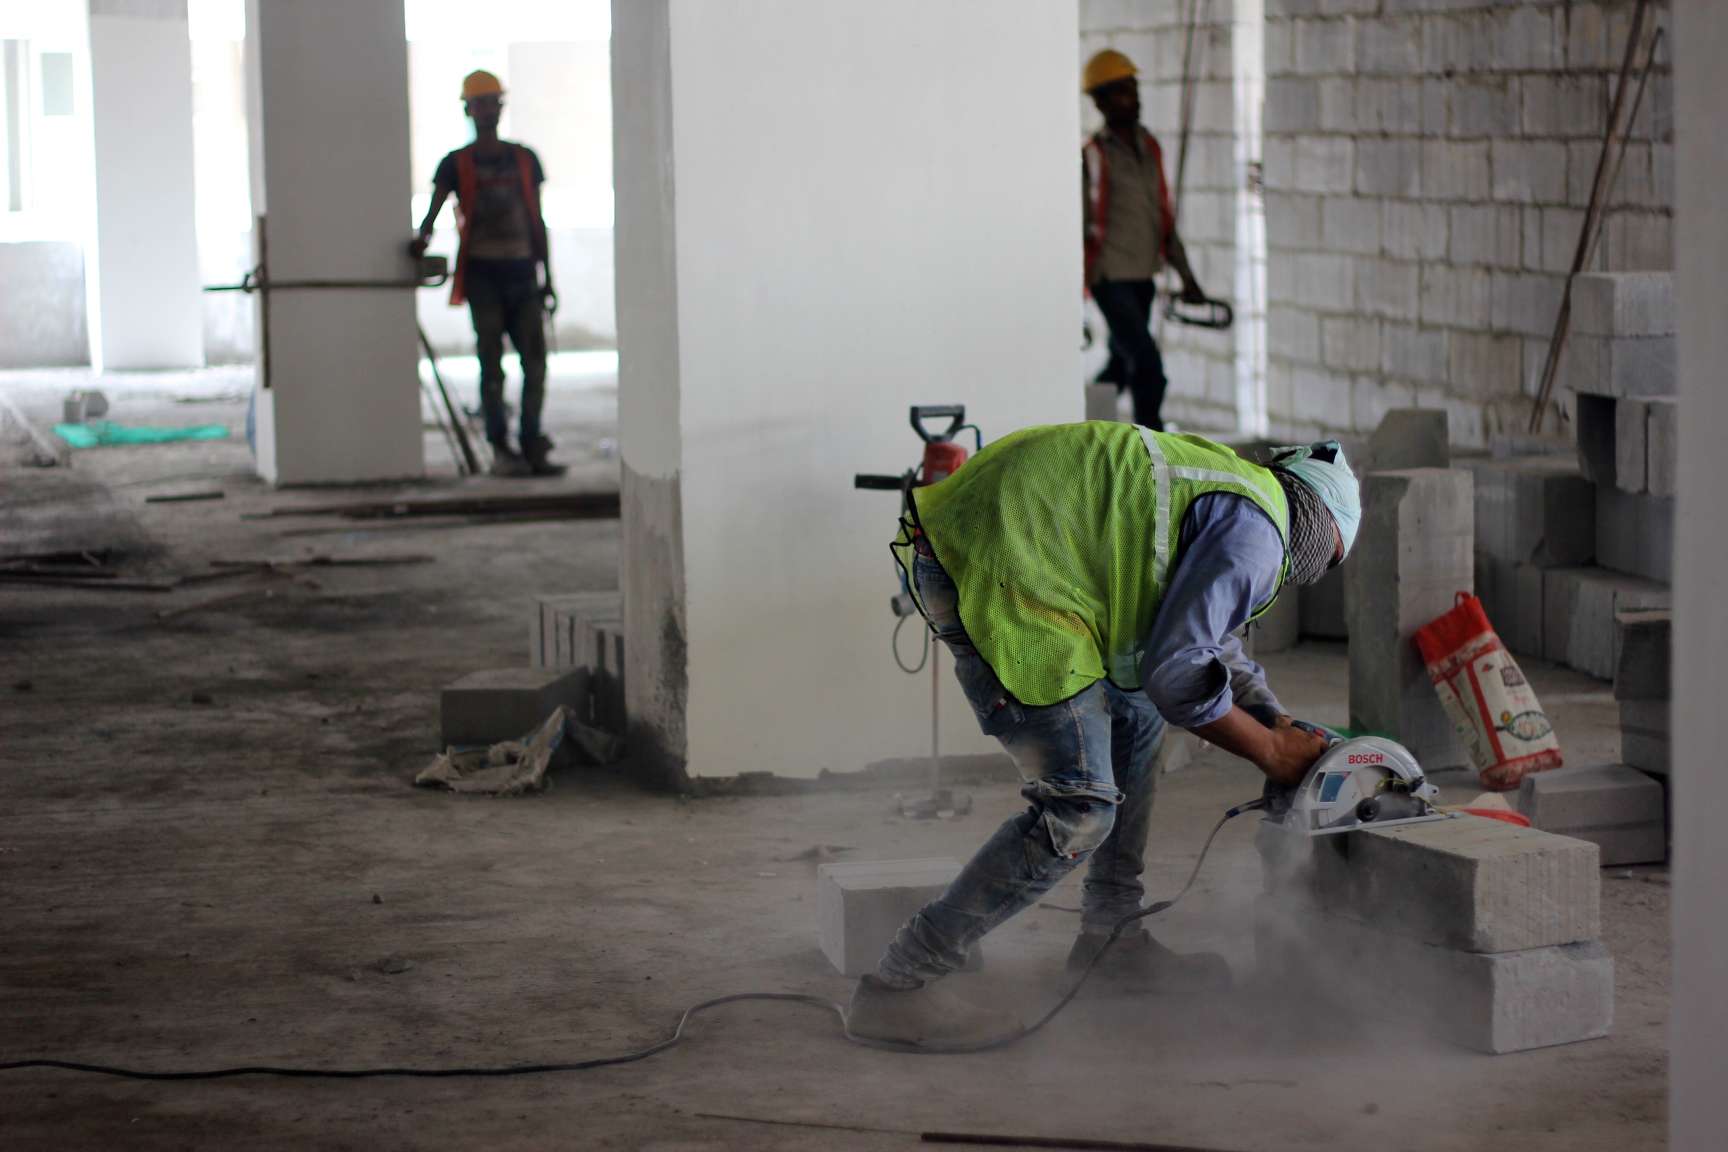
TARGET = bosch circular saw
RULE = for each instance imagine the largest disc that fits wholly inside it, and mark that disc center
(1360, 781)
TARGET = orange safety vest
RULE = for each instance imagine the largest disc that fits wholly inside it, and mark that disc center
(1098, 192)
(467, 182)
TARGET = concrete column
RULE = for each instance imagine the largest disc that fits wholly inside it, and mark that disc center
(145, 306)
(825, 213)
(1699, 1037)
(338, 396)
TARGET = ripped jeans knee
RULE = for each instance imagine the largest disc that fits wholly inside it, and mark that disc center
(1076, 814)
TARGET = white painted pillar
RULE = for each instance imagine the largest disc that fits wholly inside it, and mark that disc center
(144, 299)
(1248, 82)
(339, 392)
(825, 214)
(1699, 1030)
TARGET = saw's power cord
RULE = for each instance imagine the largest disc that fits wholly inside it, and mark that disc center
(934, 1048)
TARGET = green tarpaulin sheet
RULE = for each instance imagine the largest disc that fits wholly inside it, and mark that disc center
(97, 433)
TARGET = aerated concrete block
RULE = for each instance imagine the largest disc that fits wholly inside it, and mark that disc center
(553, 628)
(1634, 366)
(507, 703)
(1641, 668)
(1413, 556)
(1631, 444)
(1635, 533)
(1619, 809)
(1501, 1002)
(1578, 610)
(1537, 510)
(1511, 595)
(1410, 438)
(1646, 738)
(1470, 883)
(1662, 461)
(1623, 304)
(861, 905)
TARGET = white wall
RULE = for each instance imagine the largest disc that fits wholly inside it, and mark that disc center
(886, 228)
(1700, 798)
(328, 81)
(146, 305)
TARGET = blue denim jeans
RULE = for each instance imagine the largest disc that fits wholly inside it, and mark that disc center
(1087, 764)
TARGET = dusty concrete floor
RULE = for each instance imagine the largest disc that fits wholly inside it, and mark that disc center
(193, 884)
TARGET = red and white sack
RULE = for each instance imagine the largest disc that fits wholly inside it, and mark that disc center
(1485, 693)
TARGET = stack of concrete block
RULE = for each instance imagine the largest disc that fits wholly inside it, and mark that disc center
(1487, 933)
(861, 905)
(1617, 808)
(584, 630)
(1532, 514)
(1413, 556)
(557, 627)
(1621, 369)
(1641, 685)
(1578, 610)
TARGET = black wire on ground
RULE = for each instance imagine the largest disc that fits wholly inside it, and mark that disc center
(930, 1048)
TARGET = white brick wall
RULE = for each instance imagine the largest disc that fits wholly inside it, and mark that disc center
(1427, 163)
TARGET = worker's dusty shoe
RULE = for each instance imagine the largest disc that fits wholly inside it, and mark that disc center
(507, 463)
(538, 456)
(1137, 963)
(929, 1015)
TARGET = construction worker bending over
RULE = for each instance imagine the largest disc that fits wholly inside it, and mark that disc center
(502, 245)
(1130, 232)
(1087, 579)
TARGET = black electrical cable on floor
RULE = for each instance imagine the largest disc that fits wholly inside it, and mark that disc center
(931, 1048)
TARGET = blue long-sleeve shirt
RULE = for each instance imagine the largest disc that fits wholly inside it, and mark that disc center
(1229, 559)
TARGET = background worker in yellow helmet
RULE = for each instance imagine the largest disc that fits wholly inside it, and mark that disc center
(1130, 232)
(500, 259)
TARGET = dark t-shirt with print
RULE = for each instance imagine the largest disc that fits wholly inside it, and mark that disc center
(498, 224)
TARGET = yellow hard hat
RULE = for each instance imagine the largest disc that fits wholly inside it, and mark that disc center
(1106, 67)
(481, 83)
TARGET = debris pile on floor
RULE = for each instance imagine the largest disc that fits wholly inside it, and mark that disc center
(514, 767)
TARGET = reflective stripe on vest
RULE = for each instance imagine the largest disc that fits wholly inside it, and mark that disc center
(1061, 541)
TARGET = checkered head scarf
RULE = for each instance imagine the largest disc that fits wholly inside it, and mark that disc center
(1322, 493)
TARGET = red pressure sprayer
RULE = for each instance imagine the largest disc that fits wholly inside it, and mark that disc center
(942, 455)
(942, 458)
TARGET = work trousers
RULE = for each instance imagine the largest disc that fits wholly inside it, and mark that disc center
(1127, 309)
(504, 300)
(1088, 767)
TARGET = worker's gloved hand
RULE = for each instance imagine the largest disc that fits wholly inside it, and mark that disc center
(417, 246)
(549, 300)
(1192, 293)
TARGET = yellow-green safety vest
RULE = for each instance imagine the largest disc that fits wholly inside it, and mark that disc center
(1061, 540)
